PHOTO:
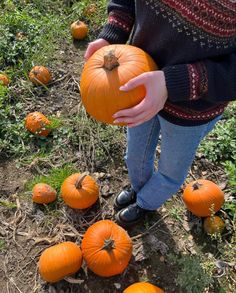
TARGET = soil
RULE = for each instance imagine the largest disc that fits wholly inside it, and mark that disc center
(28, 229)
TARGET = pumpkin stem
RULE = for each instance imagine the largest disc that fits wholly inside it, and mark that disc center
(110, 60)
(109, 244)
(196, 186)
(78, 183)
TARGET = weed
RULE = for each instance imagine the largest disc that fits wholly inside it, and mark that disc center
(2, 245)
(230, 168)
(192, 276)
(8, 204)
(220, 144)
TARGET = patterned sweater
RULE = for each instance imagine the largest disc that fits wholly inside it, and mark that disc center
(193, 42)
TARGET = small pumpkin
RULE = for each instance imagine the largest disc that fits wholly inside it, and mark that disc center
(79, 191)
(79, 30)
(59, 261)
(106, 70)
(43, 193)
(143, 287)
(37, 123)
(203, 197)
(4, 79)
(106, 248)
(40, 75)
(213, 225)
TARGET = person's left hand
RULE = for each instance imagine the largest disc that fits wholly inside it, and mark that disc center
(152, 103)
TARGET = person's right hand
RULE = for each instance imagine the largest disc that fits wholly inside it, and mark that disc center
(94, 46)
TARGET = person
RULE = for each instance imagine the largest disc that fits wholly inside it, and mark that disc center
(194, 45)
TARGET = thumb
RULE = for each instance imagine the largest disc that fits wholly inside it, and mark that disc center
(133, 83)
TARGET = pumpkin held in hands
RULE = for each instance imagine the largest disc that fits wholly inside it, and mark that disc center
(43, 193)
(37, 123)
(59, 261)
(40, 75)
(213, 225)
(79, 191)
(103, 74)
(143, 287)
(106, 248)
(4, 80)
(203, 197)
(79, 30)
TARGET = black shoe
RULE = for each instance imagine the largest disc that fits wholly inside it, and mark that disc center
(125, 198)
(130, 215)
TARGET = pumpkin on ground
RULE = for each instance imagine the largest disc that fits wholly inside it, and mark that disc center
(203, 197)
(4, 79)
(37, 123)
(59, 261)
(40, 75)
(43, 193)
(213, 225)
(79, 191)
(106, 248)
(143, 287)
(106, 70)
(79, 30)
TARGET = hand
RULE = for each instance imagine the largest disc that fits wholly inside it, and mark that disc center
(152, 103)
(94, 46)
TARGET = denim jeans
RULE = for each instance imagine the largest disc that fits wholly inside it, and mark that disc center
(178, 148)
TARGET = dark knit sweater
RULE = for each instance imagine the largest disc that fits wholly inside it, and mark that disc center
(193, 42)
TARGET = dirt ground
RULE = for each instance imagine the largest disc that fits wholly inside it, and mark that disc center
(27, 229)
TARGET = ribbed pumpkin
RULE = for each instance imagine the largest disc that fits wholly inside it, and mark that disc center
(79, 30)
(202, 197)
(4, 80)
(40, 75)
(106, 248)
(213, 224)
(59, 261)
(43, 193)
(103, 74)
(37, 123)
(79, 191)
(143, 287)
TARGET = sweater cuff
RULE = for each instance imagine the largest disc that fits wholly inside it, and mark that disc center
(177, 82)
(113, 34)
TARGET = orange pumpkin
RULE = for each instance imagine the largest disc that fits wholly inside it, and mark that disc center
(202, 197)
(37, 123)
(79, 30)
(143, 287)
(59, 261)
(103, 74)
(213, 225)
(79, 191)
(106, 248)
(40, 75)
(43, 193)
(4, 80)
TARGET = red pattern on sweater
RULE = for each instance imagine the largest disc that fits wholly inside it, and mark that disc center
(206, 16)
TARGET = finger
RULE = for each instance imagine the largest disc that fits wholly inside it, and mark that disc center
(130, 120)
(89, 52)
(134, 111)
(137, 123)
(134, 82)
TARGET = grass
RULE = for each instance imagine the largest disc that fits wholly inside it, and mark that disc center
(55, 178)
(31, 33)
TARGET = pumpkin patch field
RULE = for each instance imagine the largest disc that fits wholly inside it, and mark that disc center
(61, 165)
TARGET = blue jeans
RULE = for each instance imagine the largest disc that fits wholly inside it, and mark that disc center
(178, 148)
